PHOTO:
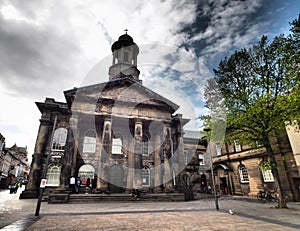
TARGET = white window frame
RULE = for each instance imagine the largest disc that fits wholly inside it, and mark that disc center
(89, 142)
(267, 175)
(243, 172)
(117, 144)
(59, 139)
(53, 174)
(237, 146)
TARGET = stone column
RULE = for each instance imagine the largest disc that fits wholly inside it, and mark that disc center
(74, 121)
(138, 162)
(167, 154)
(130, 174)
(157, 163)
(105, 154)
(67, 169)
(36, 168)
(181, 158)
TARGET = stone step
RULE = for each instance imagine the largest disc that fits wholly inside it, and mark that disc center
(96, 198)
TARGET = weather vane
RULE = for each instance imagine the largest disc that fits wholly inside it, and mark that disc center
(126, 31)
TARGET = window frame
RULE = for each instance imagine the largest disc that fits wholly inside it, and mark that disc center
(145, 140)
(89, 142)
(267, 176)
(117, 146)
(53, 181)
(243, 173)
(59, 139)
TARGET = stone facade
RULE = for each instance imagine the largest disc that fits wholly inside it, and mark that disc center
(13, 165)
(237, 169)
(114, 136)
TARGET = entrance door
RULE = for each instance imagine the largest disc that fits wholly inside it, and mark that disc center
(116, 176)
(223, 185)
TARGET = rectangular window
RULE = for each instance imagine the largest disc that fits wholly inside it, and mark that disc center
(268, 175)
(243, 174)
(237, 146)
(89, 144)
(218, 149)
(201, 159)
(116, 146)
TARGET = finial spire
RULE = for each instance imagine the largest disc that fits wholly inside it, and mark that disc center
(126, 31)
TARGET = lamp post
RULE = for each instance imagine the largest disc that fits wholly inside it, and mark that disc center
(38, 205)
(211, 168)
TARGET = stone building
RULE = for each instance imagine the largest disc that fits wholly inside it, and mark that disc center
(238, 168)
(13, 165)
(115, 136)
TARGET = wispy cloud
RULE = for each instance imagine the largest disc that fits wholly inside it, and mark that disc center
(50, 46)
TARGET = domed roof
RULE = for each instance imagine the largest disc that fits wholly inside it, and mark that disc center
(124, 40)
(125, 37)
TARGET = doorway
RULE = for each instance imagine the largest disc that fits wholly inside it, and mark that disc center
(116, 179)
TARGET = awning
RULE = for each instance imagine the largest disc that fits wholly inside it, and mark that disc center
(224, 166)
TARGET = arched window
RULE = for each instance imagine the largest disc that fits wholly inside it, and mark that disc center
(117, 144)
(244, 178)
(145, 145)
(53, 174)
(59, 139)
(146, 176)
(85, 172)
(89, 142)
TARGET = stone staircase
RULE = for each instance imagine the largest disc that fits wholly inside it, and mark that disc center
(114, 197)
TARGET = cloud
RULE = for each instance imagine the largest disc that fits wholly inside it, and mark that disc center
(51, 46)
(229, 25)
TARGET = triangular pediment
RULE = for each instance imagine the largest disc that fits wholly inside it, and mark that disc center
(123, 91)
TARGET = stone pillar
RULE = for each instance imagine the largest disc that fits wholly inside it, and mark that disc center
(36, 168)
(74, 121)
(138, 162)
(181, 158)
(157, 163)
(67, 169)
(167, 154)
(130, 173)
(105, 154)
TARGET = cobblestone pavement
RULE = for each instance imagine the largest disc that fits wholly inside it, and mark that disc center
(139, 215)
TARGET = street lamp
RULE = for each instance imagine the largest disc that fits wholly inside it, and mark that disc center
(38, 205)
(207, 130)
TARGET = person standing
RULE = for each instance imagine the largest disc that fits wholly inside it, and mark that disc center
(72, 184)
(77, 186)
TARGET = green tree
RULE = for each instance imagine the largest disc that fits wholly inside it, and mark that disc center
(260, 86)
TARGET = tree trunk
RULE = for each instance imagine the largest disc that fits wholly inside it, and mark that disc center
(282, 203)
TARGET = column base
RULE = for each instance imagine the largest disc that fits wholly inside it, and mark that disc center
(29, 194)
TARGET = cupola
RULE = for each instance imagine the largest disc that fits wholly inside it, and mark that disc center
(124, 63)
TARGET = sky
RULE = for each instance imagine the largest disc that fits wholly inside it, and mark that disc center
(47, 47)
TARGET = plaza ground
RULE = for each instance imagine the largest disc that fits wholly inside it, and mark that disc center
(138, 215)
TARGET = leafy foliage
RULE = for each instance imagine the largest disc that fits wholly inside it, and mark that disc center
(259, 89)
